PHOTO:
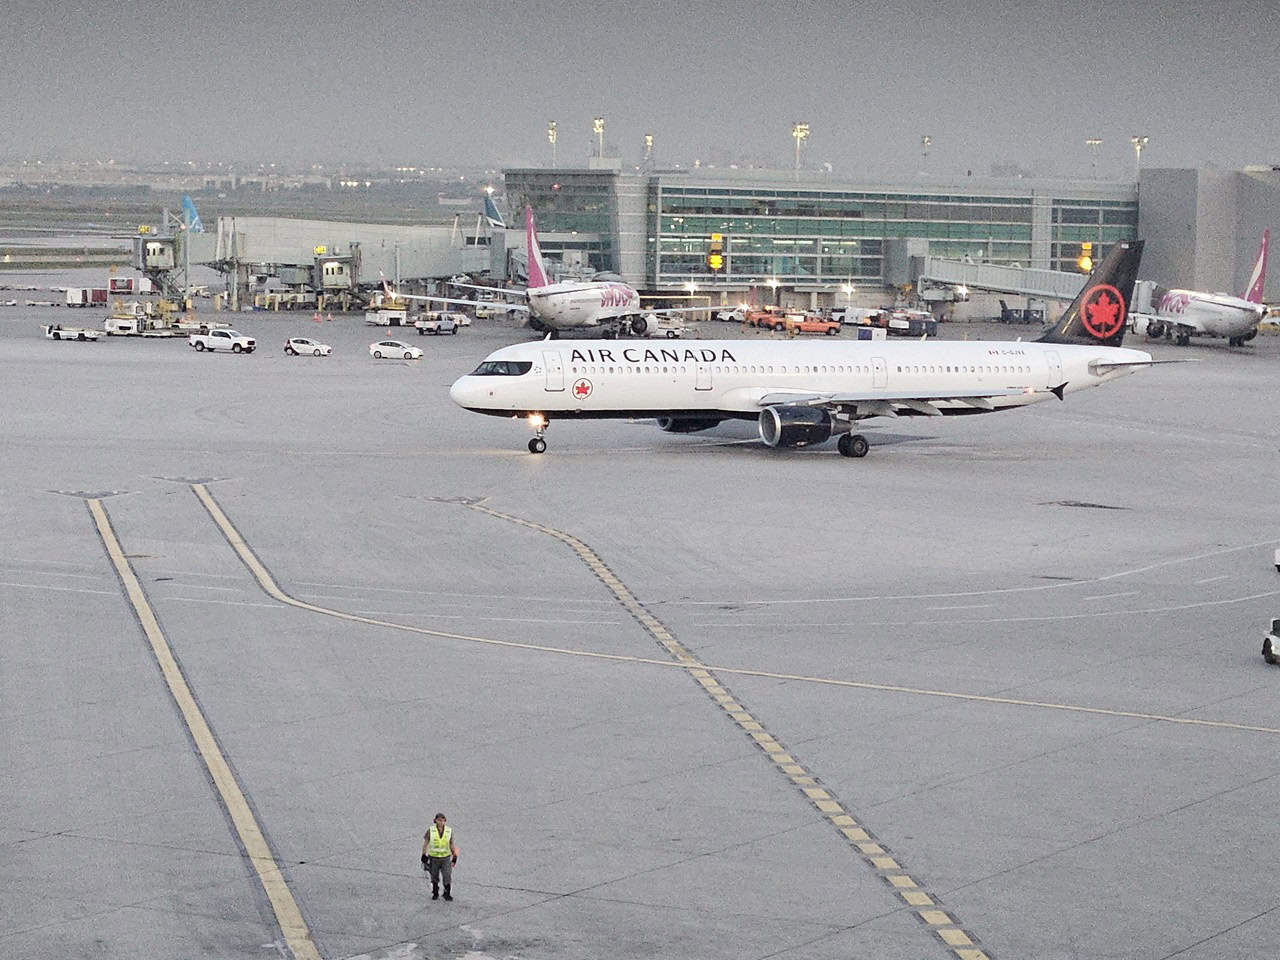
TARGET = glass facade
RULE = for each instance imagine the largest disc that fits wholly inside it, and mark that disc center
(799, 236)
(822, 235)
(1100, 222)
(567, 202)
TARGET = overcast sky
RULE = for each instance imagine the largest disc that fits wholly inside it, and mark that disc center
(476, 82)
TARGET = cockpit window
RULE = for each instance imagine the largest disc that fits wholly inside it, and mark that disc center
(503, 368)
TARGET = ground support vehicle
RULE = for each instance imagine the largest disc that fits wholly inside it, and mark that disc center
(806, 323)
(56, 331)
(222, 340)
(1271, 644)
(437, 322)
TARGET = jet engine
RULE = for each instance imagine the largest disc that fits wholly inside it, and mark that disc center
(684, 424)
(639, 325)
(794, 426)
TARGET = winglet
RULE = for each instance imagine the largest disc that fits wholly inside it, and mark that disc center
(537, 269)
(1258, 278)
(1059, 390)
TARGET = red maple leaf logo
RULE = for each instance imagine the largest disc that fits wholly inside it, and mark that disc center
(1103, 312)
(582, 389)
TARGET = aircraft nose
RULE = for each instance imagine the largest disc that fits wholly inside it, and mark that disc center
(462, 391)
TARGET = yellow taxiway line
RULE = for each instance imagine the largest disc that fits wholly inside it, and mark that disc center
(881, 860)
(288, 916)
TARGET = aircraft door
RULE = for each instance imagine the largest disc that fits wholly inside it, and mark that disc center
(555, 369)
(1055, 368)
(702, 378)
(879, 373)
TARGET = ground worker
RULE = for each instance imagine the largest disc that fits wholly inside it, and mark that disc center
(439, 854)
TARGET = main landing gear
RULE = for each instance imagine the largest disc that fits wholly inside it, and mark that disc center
(539, 423)
(852, 445)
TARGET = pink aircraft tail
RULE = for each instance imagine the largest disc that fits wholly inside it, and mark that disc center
(537, 269)
(1258, 279)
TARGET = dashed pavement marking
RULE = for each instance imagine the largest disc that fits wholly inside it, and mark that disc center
(856, 835)
(860, 838)
(254, 842)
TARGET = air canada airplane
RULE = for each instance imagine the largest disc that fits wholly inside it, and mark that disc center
(1183, 314)
(806, 393)
(566, 304)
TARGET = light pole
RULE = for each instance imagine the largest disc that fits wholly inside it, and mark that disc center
(1138, 143)
(848, 296)
(648, 147)
(597, 124)
(773, 287)
(551, 139)
(799, 131)
(1093, 143)
(925, 141)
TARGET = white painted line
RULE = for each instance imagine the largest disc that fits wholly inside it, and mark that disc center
(1212, 579)
(1038, 588)
(1111, 596)
(963, 606)
(46, 586)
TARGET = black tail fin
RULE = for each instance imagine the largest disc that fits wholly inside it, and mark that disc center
(1098, 315)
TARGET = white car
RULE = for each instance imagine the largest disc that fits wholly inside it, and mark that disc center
(302, 347)
(394, 350)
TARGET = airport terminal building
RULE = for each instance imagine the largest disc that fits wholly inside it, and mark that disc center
(806, 233)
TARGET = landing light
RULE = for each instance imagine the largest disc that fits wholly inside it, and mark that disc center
(537, 421)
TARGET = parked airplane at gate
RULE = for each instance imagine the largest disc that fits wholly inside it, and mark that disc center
(1183, 314)
(804, 393)
(566, 304)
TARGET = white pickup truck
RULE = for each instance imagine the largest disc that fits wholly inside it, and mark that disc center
(438, 322)
(222, 340)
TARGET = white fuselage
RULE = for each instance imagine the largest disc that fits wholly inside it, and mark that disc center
(1211, 314)
(582, 303)
(591, 378)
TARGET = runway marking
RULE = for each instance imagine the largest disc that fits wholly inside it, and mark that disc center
(48, 586)
(828, 806)
(288, 916)
(963, 606)
(904, 885)
(1211, 579)
(975, 593)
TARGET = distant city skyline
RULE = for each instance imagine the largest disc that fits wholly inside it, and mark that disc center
(475, 83)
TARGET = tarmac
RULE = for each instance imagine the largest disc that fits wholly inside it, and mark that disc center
(993, 691)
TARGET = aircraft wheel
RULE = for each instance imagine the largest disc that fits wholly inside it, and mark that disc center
(853, 445)
(537, 445)
(1183, 340)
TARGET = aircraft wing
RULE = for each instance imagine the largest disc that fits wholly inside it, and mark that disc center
(476, 286)
(493, 305)
(709, 309)
(888, 403)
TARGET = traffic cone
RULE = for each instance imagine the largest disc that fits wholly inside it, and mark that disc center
(316, 318)
(329, 317)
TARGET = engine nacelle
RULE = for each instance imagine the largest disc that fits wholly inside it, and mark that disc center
(794, 426)
(684, 424)
(639, 325)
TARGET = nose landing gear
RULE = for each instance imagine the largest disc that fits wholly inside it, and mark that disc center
(539, 423)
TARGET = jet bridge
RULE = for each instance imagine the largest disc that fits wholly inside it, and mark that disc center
(1020, 281)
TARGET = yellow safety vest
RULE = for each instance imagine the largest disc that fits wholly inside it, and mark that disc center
(438, 846)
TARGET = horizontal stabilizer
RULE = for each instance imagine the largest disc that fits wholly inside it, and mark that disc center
(1097, 365)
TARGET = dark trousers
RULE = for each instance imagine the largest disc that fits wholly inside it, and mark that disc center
(440, 865)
